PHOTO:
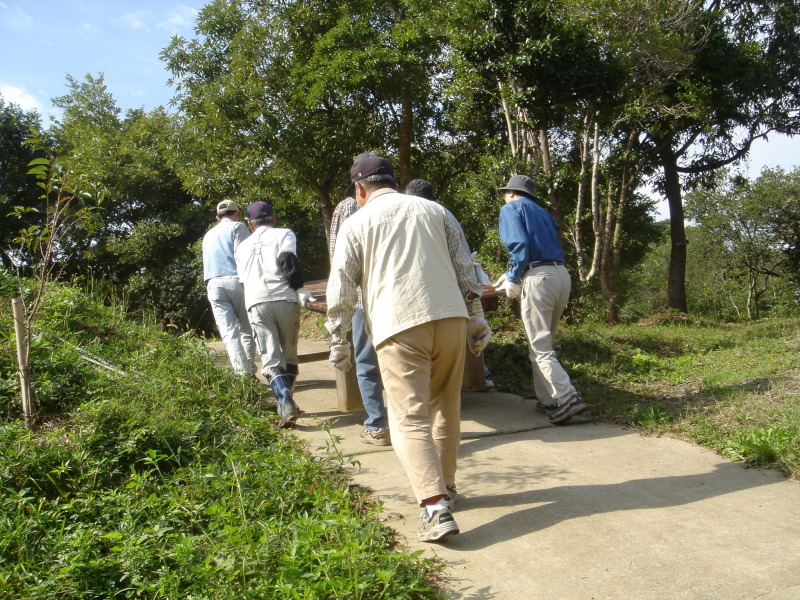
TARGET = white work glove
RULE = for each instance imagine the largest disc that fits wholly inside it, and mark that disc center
(478, 334)
(304, 297)
(340, 356)
(512, 290)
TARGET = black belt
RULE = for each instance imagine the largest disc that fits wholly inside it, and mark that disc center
(544, 263)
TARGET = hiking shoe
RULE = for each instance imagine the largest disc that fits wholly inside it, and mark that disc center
(452, 496)
(376, 437)
(569, 409)
(438, 526)
(546, 407)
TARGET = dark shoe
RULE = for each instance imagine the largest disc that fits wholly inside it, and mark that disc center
(376, 437)
(546, 407)
(569, 409)
(437, 527)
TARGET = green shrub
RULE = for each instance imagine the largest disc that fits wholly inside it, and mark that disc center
(156, 474)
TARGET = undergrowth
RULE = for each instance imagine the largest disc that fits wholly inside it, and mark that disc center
(734, 388)
(152, 473)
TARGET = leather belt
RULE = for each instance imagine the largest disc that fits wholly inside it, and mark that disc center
(544, 263)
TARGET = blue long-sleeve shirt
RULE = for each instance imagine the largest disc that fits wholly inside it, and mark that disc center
(529, 234)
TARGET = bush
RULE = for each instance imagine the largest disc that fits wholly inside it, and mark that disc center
(170, 479)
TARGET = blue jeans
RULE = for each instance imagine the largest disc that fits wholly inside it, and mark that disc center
(368, 374)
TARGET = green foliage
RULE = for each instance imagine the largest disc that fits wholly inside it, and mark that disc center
(731, 387)
(741, 239)
(170, 479)
(69, 206)
(765, 447)
(652, 417)
(16, 188)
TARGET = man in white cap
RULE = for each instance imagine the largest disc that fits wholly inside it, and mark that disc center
(536, 274)
(224, 290)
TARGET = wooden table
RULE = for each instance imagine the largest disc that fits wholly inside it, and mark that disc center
(346, 382)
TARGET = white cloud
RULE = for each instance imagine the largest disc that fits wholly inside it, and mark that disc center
(89, 28)
(16, 17)
(14, 95)
(180, 18)
(136, 20)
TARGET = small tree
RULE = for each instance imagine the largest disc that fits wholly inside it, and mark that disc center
(735, 219)
(69, 209)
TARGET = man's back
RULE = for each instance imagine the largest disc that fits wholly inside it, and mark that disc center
(407, 273)
(218, 248)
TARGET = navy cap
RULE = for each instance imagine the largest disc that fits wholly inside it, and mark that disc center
(259, 210)
(368, 164)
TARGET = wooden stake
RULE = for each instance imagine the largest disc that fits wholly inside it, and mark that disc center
(21, 331)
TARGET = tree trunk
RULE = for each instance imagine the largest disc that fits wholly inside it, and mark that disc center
(405, 137)
(606, 285)
(612, 255)
(324, 205)
(577, 232)
(547, 168)
(676, 281)
(512, 136)
(600, 240)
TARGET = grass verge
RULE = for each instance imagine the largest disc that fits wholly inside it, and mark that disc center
(152, 473)
(734, 388)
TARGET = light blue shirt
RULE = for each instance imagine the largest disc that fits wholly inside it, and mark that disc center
(218, 248)
(529, 233)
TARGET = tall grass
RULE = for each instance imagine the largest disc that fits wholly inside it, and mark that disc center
(152, 473)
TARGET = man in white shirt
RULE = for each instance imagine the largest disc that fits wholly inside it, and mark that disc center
(274, 292)
(421, 302)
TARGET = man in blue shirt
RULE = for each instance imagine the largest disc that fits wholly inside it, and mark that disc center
(536, 274)
(225, 291)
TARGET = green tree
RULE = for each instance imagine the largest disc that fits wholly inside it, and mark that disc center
(279, 96)
(780, 191)
(17, 188)
(741, 239)
(258, 122)
(150, 223)
(742, 84)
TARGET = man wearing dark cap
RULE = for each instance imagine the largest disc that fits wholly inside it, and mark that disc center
(537, 275)
(274, 292)
(224, 289)
(421, 300)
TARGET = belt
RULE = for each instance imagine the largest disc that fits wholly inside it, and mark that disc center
(544, 263)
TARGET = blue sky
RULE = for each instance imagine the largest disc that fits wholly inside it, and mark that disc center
(41, 41)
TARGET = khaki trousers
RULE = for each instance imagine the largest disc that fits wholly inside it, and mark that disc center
(545, 292)
(422, 369)
(276, 326)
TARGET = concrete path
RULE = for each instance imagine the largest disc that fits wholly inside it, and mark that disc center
(582, 511)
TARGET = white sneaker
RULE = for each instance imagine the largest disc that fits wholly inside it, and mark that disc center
(438, 526)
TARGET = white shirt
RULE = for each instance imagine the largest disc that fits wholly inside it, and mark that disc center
(257, 263)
